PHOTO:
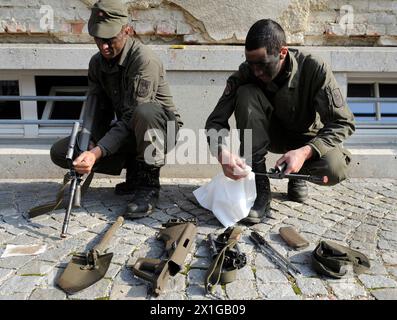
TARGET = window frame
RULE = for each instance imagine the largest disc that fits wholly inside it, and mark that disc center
(374, 132)
(29, 110)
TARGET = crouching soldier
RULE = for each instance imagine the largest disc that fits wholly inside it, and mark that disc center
(133, 109)
(294, 107)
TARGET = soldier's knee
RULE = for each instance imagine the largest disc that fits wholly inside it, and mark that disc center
(337, 168)
(58, 154)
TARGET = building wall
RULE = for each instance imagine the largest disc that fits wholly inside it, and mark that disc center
(307, 22)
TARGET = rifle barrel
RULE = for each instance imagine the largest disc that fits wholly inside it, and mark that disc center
(65, 225)
(72, 141)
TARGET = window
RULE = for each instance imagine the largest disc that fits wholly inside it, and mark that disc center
(373, 104)
(9, 109)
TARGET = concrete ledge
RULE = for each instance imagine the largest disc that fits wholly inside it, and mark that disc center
(192, 58)
(33, 162)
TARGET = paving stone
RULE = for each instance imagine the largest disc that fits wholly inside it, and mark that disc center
(241, 290)
(389, 258)
(6, 238)
(38, 268)
(196, 292)
(348, 291)
(202, 251)
(277, 291)
(388, 235)
(373, 282)
(126, 277)
(387, 245)
(196, 277)
(47, 294)
(311, 286)
(15, 262)
(4, 274)
(113, 270)
(270, 276)
(200, 263)
(245, 273)
(176, 283)
(176, 296)
(377, 269)
(124, 292)
(385, 294)
(306, 270)
(99, 290)
(49, 281)
(15, 296)
(392, 271)
(18, 284)
(302, 257)
(262, 261)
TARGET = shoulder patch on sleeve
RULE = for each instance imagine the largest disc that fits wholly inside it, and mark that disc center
(143, 88)
(337, 98)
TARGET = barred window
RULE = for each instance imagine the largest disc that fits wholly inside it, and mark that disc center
(373, 103)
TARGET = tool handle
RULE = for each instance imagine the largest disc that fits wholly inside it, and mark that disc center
(101, 246)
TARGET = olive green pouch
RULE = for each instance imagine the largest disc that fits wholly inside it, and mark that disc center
(293, 238)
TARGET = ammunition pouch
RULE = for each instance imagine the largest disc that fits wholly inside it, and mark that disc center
(227, 258)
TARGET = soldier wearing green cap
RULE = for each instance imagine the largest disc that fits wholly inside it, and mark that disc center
(293, 105)
(134, 100)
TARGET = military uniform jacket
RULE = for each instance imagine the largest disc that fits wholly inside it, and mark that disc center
(308, 103)
(138, 77)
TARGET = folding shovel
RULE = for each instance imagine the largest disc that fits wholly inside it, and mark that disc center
(87, 268)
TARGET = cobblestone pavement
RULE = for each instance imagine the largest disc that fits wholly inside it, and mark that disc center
(360, 213)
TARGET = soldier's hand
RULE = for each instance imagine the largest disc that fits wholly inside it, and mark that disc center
(84, 162)
(233, 166)
(295, 159)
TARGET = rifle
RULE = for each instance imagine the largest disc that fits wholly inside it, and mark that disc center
(285, 265)
(278, 173)
(178, 236)
(78, 143)
(75, 180)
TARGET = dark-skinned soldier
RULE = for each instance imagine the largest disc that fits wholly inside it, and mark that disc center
(129, 81)
(294, 107)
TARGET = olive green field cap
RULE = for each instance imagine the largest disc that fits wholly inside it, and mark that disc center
(107, 18)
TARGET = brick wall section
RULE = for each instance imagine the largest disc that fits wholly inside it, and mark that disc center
(159, 21)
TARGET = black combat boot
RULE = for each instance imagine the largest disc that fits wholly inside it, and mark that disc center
(131, 180)
(261, 207)
(147, 194)
(297, 190)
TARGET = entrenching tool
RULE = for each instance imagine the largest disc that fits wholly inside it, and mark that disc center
(87, 268)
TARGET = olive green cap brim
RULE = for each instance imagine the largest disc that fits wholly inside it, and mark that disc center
(106, 29)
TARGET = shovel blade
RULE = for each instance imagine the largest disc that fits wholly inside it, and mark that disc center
(76, 278)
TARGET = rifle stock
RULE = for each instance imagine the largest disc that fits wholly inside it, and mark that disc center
(178, 239)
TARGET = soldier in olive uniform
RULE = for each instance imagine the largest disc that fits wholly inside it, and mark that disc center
(129, 81)
(293, 105)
